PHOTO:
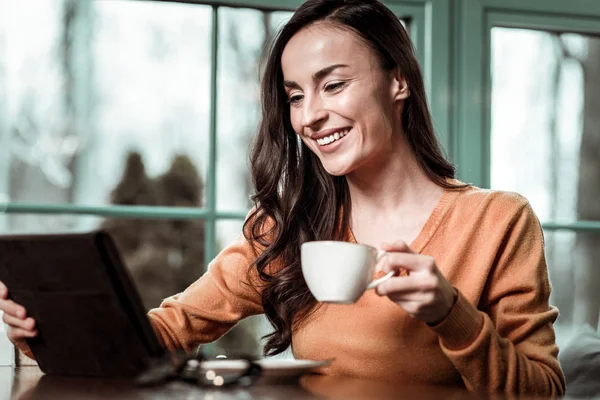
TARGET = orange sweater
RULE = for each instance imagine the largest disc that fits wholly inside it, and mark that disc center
(498, 336)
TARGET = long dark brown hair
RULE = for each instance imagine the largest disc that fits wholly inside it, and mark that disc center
(296, 199)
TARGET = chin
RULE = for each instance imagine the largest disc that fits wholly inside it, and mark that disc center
(339, 164)
(336, 173)
(337, 170)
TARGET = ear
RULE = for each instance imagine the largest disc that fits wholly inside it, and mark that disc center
(400, 90)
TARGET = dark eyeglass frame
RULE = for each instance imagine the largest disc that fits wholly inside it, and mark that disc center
(179, 365)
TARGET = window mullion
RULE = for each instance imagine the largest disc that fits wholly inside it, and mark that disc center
(4, 126)
(211, 194)
(577, 226)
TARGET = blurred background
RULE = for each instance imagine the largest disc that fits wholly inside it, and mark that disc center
(110, 106)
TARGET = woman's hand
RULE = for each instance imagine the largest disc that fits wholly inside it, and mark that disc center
(20, 327)
(424, 293)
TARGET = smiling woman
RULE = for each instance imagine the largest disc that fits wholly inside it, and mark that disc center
(334, 70)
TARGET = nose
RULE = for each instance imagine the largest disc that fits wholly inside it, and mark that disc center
(313, 113)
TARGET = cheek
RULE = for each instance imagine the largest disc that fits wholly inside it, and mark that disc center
(376, 117)
(347, 104)
(357, 106)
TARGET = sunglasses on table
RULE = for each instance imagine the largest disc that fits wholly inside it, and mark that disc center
(187, 367)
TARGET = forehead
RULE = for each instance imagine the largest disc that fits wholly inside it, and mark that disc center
(321, 45)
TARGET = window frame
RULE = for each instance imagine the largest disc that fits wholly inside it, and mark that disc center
(472, 75)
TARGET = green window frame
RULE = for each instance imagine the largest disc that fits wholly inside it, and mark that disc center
(474, 20)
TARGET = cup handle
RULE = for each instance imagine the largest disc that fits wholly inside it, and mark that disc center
(384, 278)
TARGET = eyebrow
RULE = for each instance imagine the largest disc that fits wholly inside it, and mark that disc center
(317, 76)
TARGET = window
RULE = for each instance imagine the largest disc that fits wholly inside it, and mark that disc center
(108, 107)
(525, 121)
(544, 129)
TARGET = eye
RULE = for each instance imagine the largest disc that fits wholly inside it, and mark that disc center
(295, 100)
(333, 87)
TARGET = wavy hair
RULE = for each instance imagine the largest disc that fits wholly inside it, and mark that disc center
(295, 199)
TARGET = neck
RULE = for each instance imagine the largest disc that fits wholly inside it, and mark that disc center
(392, 182)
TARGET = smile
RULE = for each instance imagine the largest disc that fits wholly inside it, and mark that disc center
(332, 138)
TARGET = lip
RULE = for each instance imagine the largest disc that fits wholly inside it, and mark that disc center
(331, 147)
(329, 132)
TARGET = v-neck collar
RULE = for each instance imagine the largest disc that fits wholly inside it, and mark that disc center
(433, 221)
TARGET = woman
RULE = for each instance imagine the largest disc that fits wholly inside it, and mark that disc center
(471, 305)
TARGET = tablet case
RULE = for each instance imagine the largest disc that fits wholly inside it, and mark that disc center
(89, 315)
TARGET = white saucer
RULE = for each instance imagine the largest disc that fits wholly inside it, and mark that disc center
(271, 368)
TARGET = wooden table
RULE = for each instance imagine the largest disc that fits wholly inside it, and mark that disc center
(30, 383)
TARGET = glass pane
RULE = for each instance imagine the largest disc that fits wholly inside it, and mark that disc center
(228, 231)
(88, 81)
(163, 256)
(574, 274)
(243, 36)
(277, 19)
(545, 132)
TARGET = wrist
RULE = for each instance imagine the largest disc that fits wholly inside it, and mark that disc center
(440, 318)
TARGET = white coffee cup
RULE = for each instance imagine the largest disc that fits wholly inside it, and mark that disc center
(339, 272)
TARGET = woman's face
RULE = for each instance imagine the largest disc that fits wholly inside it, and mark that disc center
(343, 105)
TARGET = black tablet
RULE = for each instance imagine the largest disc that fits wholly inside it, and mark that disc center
(89, 315)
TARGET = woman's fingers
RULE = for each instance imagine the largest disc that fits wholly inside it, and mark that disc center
(398, 245)
(27, 324)
(407, 288)
(17, 335)
(409, 261)
(425, 293)
(12, 308)
(398, 286)
(15, 316)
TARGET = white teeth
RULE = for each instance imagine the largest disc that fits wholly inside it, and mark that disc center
(332, 138)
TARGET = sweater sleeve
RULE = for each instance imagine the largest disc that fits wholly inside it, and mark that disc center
(508, 344)
(225, 294)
